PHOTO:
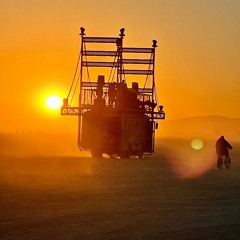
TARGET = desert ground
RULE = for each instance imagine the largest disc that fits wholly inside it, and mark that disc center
(176, 193)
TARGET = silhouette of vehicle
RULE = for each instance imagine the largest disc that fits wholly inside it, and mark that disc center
(113, 118)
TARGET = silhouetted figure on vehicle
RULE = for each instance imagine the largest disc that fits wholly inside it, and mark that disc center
(112, 93)
(222, 147)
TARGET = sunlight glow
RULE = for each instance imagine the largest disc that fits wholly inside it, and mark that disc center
(53, 102)
(189, 163)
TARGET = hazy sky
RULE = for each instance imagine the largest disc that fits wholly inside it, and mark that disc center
(197, 65)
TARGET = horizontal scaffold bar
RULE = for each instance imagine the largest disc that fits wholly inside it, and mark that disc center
(145, 90)
(137, 61)
(90, 85)
(156, 115)
(137, 50)
(76, 111)
(99, 53)
(137, 72)
(115, 64)
(159, 115)
(99, 64)
(94, 84)
(70, 110)
(100, 39)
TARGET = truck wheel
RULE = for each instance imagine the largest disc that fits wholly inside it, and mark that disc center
(96, 153)
(129, 151)
(123, 154)
(140, 153)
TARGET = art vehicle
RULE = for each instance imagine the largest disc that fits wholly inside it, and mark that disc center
(117, 103)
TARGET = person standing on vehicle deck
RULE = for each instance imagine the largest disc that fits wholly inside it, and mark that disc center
(222, 147)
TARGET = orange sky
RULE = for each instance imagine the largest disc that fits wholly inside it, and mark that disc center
(197, 65)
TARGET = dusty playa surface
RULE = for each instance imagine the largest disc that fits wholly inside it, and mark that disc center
(174, 194)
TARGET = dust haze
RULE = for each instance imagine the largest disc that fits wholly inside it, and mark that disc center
(51, 190)
(30, 143)
(173, 147)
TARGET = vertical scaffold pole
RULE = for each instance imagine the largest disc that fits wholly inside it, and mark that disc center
(154, 45)
(119, 53)
(82, 33)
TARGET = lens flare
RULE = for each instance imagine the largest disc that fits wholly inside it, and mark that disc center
(53, 102)
(197, 144)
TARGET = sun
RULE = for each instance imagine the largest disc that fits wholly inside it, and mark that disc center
(53, 102)
(197, 144)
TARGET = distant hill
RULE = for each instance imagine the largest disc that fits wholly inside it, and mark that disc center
(207, 127)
